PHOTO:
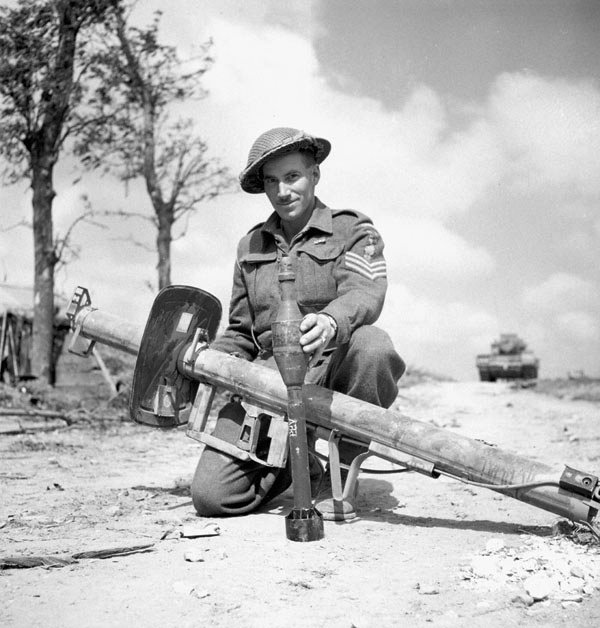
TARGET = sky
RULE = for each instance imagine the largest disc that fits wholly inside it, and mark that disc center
(469, 131)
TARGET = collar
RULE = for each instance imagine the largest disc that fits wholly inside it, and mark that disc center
(321, 220)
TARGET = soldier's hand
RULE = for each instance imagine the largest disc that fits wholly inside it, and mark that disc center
(318, 331)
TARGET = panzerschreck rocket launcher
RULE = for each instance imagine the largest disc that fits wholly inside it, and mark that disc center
(175, 379)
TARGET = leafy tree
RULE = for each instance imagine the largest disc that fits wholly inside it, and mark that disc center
(43, 65)
(138, 84)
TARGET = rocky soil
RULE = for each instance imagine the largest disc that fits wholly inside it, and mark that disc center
(422, 551)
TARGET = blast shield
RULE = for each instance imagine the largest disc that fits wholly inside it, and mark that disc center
(161, 396)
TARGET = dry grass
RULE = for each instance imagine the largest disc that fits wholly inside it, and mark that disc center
(415, 375)
(581, 388)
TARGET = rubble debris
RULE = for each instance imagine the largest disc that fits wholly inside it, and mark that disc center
(574, 532)
(547, 569)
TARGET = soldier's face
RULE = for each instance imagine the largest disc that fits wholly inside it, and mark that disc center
(290, 186)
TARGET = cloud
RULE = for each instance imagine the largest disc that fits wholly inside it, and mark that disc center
(427, 249)
(184, 27)
(580, 326)
(562, 291)
(430, 322)
(567, 328)
(410, 160)
(404, 160)
(549, 129)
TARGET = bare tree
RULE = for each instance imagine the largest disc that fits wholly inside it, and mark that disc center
(42, 68)
(138, 83)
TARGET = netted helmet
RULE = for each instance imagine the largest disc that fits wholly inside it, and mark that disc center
(274, 142)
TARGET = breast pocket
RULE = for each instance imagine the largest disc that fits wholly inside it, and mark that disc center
(315, 281)
(260, 274)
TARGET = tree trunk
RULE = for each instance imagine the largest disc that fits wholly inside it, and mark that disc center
(44, 262)
(43, 146)
(163, 246)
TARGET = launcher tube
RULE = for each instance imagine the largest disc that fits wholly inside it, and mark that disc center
(108, 329)
(451, 453)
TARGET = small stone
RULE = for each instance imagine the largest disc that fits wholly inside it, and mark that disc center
(428, 589)
(523, 599)
(199, 593)
(577, 571)
(194, 531)
(182, 587)
(531, 564)
(166, 517)
(484, 566)
(507, 565)
(571, 598)
(562, 566)
(539, 586)
(494, 545)
(572, 585)
(170, 534)
(194, 556)
(588, 589)
(182, 482)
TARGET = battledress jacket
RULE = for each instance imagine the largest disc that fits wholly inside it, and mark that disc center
(340, 271)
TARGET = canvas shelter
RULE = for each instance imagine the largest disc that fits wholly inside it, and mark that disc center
(16, 327)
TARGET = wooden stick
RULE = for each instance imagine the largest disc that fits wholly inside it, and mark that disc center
(3, 335)
(105, 371)
(25, 562)
(50, 414)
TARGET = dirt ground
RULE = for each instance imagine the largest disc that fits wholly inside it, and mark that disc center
(422, 551)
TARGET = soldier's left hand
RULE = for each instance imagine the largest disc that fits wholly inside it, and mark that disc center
(318, 332)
